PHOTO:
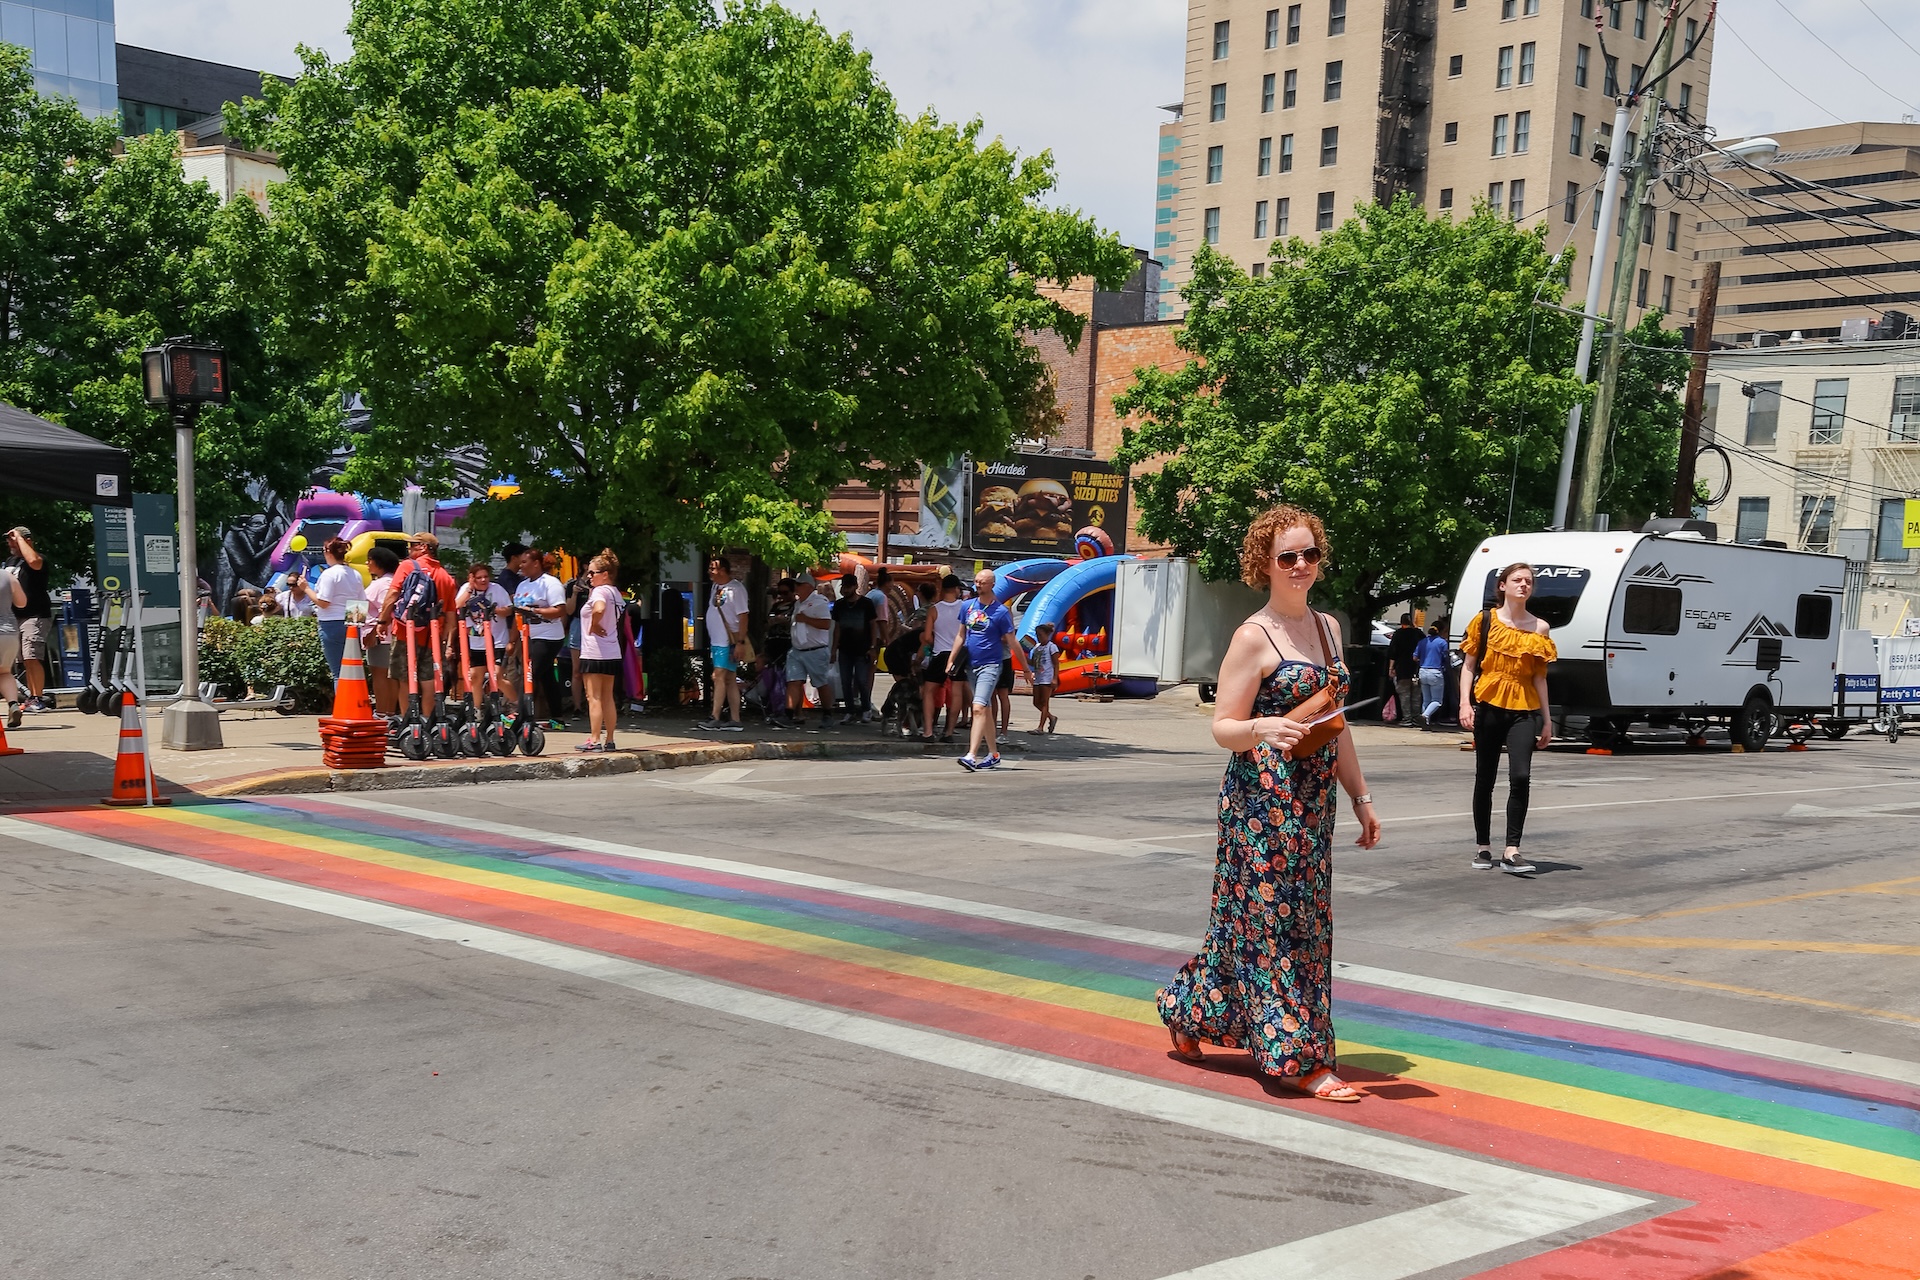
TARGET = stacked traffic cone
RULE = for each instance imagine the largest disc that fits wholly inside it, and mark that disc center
(132, 772)
(353, 737)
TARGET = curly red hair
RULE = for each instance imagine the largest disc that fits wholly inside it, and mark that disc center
(1256, 553)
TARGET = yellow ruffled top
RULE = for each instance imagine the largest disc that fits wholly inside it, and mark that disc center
(1514, 658)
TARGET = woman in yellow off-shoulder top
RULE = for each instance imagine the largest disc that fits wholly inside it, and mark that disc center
(1503, 700)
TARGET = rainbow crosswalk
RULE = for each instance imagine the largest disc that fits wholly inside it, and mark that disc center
(1785, 1169)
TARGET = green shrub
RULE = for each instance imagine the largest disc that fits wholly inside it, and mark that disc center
(286, 651)
(222, 646)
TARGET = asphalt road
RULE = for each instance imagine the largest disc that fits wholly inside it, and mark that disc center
(282, 1039)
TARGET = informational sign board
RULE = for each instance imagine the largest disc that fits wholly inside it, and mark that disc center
(1910, 527)
(1040, 504)
(153, 515)
(1900, 671)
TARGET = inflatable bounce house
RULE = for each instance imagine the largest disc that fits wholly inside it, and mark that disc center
(321, 515)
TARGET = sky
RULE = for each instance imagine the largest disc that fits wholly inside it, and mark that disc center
(1085, 78)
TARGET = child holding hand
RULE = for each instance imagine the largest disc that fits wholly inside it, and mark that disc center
(1042, 654)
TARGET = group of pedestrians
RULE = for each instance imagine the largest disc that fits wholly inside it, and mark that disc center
(26, 626)
(1418, 662)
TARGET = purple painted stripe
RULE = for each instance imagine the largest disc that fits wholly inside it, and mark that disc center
(1887, 1091)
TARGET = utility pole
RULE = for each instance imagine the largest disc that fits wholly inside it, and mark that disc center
(1595, 455)
(1696, 390)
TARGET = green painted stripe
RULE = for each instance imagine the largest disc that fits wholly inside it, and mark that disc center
(1619, 1084)
(841, 931)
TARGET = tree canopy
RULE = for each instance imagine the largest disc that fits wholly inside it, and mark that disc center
(1399, 379)
(104, 255)
(679, 272)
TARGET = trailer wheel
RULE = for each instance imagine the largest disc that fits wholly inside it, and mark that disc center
(1835, 729)
(1753, 723)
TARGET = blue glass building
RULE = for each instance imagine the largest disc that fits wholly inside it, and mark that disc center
(72, 46)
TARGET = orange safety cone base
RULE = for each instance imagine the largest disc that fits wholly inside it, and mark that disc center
(140, 803)
(132, 774)
(1598, 751)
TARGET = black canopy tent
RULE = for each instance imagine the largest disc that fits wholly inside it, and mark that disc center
(49, 461)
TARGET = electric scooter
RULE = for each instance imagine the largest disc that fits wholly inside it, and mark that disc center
(439, 731)
(408, 733)
(120, 672)
(526, 730)
(485, 730)
(106, 652)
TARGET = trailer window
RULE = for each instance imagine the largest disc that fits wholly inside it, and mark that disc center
(1556, 592)
(1813, 618)
(1651, 611)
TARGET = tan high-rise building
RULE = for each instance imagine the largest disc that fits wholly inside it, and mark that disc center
(1819, 263)
(1296, 113)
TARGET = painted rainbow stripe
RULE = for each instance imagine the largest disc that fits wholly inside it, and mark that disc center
(1787, 1171)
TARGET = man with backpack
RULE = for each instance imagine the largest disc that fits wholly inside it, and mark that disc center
(422, 591)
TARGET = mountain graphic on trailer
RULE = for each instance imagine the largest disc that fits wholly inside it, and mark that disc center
(1659, 572)
(1761, 626)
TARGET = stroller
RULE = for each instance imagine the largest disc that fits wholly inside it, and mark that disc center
(901, 712)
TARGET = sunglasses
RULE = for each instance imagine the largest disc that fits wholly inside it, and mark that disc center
(1310, 555)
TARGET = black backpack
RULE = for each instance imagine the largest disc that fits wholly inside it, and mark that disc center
(417, 598)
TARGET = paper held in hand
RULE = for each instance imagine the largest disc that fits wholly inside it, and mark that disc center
(1337, 712)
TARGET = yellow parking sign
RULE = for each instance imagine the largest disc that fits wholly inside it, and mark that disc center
(1910, 528)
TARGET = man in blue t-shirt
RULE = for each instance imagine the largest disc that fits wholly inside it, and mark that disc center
(985, 628)
(1432, 654)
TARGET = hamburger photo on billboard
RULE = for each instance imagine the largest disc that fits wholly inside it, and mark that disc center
(993, 514)
(1043, 511)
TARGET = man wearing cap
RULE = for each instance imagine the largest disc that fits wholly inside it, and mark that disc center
(423, 553)
(36, 616)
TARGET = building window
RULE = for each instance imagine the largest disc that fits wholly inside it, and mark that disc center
(1217, 105)
(1282, 213)
(1286, 153)
(1673, 232)
(1693, 33)
(1503, 68)
(1290, 93)
(1273, 28)
(1266, 158)
(1816, 522)
(1210, 222)
(1751, 524)
(1613, 13)
(1517, 199)
(1530, 9)
(1496, 195)
(1220, 40)
(1323, 212)
(1633, 80)
(1459, 4)
(1905, 424)
(1612, 86)
(1499, 135)
(1332, 93)
(1526, 63)
(1259, 270)
(1522, 131)
(1455, 65)
(1216, 163)
(1259, 219)
(1450, 133)
(1329, 146)
(1574, 134)
(1887, 537)
(1336, 17)
(1446, 197)
(1580, 57)
(1639, 19)
(1710, 414)
(1640, 287)
(1829, 411)
(1647, 224)
(1507, 8)
(1666, 294)
(1571, 213)
(1763, 413)
(1266, 93)
(1293, 24)
(1586, 8)
(1686, 102)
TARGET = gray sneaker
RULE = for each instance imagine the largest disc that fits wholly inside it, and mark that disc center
(732, 726)
(707, 726)
(14, 713)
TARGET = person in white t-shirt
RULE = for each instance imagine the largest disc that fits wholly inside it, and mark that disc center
(943, 631)
(296, 599)
(541, 593)
(339, 597)
(482, 598)
(726, 631)
(807, 658)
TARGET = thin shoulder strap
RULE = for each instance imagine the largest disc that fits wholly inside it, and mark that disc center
(1275, 643)
(1326, 651)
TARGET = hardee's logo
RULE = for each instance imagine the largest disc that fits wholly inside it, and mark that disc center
(1000, 468)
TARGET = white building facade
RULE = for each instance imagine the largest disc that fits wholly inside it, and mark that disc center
(1817, 446)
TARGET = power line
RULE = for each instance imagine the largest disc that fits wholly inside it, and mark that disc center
(1836, 53)
(1776, 75)
(1889, 26)
(1816, 256)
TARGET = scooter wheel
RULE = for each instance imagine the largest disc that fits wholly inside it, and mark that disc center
(533, 739)
(441, 742)
(413, 742)
(471, 740)
(107, 704)
(499, 739)
(85, 701)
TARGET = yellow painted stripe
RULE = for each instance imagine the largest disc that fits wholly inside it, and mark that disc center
(1141, 1011)
(1655, 942)
(1734, 1135)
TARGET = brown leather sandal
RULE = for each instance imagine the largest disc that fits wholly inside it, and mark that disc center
(1184, 1045)
(1322, 1084)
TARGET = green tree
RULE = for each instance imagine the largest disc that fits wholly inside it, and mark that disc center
(1643, 449)
(103, 255)
(1398, 378)
(680, 273)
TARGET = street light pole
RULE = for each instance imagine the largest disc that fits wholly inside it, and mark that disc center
(1596, 279)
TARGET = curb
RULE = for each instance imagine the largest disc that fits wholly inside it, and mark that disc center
(462, 773)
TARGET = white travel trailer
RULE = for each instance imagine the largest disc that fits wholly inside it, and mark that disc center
(1670, 627)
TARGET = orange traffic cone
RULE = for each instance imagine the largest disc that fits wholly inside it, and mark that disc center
(132, 774)
(350, 700)
(6, 750)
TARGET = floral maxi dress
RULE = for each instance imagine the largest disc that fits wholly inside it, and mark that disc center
(1263, 978)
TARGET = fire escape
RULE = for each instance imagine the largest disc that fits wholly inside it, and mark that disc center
(1406, 92)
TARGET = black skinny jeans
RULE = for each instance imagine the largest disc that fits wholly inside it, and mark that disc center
(1494, 729)
(541, 656)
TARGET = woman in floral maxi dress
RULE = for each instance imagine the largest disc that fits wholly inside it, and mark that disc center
(1263, 979)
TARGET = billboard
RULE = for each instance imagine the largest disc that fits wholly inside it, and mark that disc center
(1038, 504)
